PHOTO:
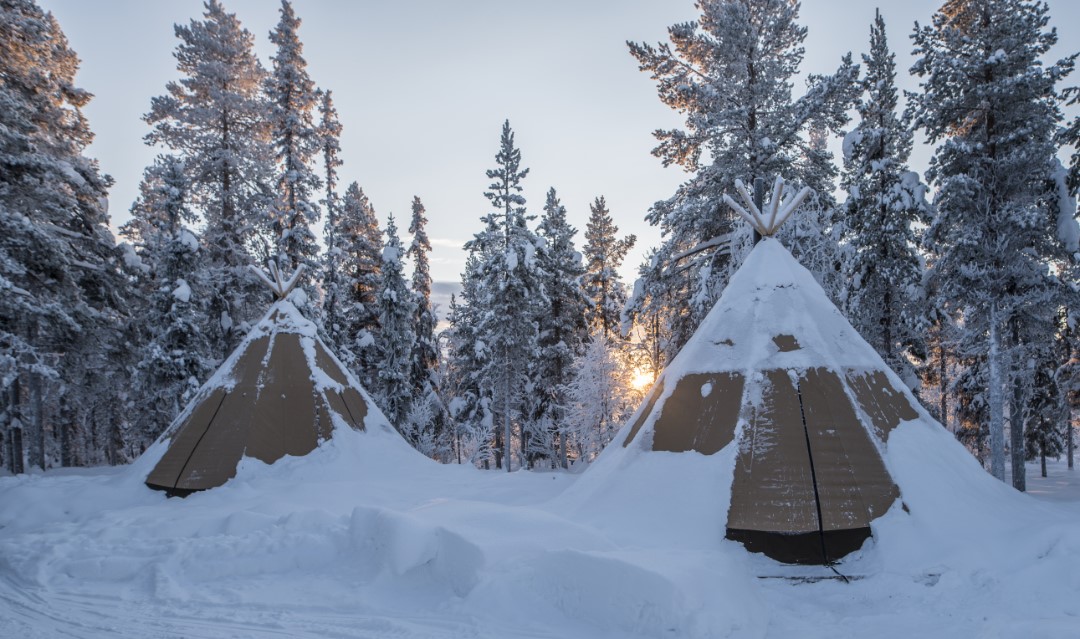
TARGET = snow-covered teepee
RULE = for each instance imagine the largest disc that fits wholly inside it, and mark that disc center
(778, 373)
(281, 392)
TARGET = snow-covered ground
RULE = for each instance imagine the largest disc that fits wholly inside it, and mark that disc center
(371, 541)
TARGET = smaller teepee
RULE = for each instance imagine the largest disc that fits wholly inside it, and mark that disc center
(280, 393)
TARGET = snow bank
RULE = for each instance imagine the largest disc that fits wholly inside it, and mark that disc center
(365, 538)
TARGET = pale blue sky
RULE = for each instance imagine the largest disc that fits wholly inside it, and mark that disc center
(422, 88)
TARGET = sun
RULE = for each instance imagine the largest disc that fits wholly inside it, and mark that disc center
(642, 380)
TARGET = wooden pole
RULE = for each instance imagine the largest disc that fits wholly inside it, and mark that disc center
(759, 197)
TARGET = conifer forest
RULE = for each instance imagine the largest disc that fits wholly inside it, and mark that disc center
(963, 277)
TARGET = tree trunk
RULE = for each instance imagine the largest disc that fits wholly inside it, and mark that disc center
(1042, 458)
(942, 384)
(1069, 446)
(1016, 421)
(996, 401)
(497, 435)
(506, 412)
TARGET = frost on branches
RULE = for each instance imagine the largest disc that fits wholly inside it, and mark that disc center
(563, 329)
(990, 102)
(426, 419)
(176, 356)
(396, 337)
(886, 201)
(604, 254)
(296, 141)
(358, 249)
(215, 118)
(509, 290)
(731, 73)
(63, 296)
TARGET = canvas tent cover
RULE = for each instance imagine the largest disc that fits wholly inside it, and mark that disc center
(280, 393)
(777, 371)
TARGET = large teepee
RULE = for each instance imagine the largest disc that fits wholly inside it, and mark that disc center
(280, 393)
(776, 371)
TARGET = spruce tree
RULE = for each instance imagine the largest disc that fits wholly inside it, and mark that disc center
(604, 254)
(63, 295)
(991, 103)
(423, 376)
(885, 203)
(329, 139)
(177, 358)
(469, 408)
(296, 142)
(358, 253)
(215, 118)
(510, 292)
(1047, 415)
(731, 73)
(397, 336)
(562, 325)
(649, 317)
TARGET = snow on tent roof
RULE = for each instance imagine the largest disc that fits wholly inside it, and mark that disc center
(280, 393)
(776, 370)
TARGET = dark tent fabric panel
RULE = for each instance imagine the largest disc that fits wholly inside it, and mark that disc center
(885, 405)
(349, 403)
(326, 363)
(772, 489)
(166, 473)
(700, 414)
(283, 415)
(355, 405)
(853, 485)
(643, 415)
(802, 548)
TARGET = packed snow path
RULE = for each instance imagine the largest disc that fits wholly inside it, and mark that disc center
(348, 547)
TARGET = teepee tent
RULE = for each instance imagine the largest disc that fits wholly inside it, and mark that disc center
(279, 393)
(777, 372)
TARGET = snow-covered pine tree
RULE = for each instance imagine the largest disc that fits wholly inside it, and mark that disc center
(397, 310)
(62, 294)
(814, 235)
(176, 359)
(1046, 414)
(731, 73)
(648, 317)
(601, 396)
(428, 422)
(358, 248)
(215, 118)
(563, 328)
(296, 142)
(988, 96)
(604, 253)
(510, 294)
(885, 203)
(329, 138)
(471, 419)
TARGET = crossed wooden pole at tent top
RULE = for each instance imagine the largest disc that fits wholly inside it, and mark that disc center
(777, 211)
(275, 280)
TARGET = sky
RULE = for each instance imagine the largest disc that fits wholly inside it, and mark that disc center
(422, 89)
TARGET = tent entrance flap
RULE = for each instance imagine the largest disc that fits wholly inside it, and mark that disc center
(807, 474)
